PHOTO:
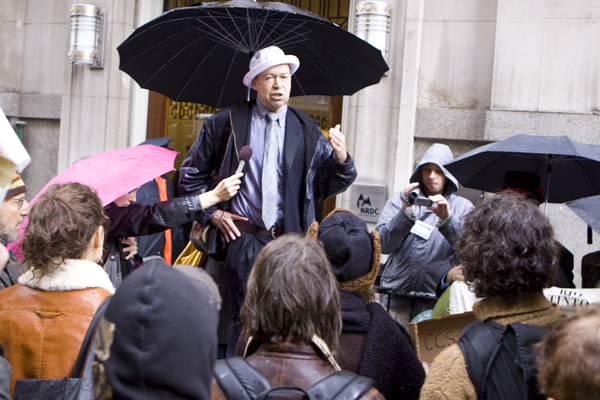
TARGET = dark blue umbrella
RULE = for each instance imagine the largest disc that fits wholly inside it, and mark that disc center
(588, 209)
(201, 54)
(568, 169)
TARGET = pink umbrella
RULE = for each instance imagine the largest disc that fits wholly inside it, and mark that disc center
(112, 174)
(115, 173)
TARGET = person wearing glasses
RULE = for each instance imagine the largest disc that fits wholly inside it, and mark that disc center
(13, 210)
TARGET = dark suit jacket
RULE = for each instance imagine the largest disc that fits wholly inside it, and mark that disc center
(311, 173)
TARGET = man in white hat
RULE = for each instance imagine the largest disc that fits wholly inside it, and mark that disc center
(292, 170)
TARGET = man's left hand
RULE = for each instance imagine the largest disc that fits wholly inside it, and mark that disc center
(338, 143)
(442, 210)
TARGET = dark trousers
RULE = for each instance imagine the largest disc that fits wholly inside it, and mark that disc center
(239, 260)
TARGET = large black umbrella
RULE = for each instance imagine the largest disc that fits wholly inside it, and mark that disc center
(568, 169)
(201, 54)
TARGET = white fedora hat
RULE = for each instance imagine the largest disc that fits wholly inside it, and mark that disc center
(267, 58)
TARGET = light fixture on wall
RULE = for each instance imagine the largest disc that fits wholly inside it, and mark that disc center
(373, 20)
(87, 35)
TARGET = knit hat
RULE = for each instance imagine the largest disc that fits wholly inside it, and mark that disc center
(17, 186)
(352, 251)
(267, 58)
(158, 337)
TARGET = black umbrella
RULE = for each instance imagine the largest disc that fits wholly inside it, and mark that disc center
(201, 54)
(568, 169)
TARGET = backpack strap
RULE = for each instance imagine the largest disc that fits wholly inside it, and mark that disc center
(86, 351)
(239, 380)
(478, 343)
(526, 336)
(500, 359)
(286, 392)
(341, 385)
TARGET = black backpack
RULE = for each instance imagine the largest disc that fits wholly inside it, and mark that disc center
(240, 381)
(501, 360)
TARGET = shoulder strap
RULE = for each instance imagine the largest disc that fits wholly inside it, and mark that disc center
(285, 391)
(87, 340)
(239, 380)
(478, 343)
(526, 336)
(226, 133)
(341, 385)
(500, 359)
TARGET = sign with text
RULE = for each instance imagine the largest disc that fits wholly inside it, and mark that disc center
(572, 297)
(367, 201)
(432, 336)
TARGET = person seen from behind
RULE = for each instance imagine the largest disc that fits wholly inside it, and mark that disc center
(292, 315)
(372, 343)
(158, 337)
(570, 358)
(45, 316)
(507, 248)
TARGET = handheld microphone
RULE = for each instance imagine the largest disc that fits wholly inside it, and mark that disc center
(245, 156)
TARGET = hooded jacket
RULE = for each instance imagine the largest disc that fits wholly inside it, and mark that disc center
(416, 264)
(224, 134)
(158, 337)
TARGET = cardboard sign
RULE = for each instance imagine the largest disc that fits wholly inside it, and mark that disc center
(432, 336)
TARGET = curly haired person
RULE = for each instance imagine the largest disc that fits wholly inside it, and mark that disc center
(570, 356)
(506, 246)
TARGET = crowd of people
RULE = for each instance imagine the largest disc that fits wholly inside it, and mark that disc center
(306, 320)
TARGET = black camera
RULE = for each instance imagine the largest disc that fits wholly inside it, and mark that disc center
(414, 198)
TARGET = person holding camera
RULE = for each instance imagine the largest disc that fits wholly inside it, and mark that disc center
(417, 228)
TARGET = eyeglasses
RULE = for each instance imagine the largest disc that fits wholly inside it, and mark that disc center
(19, 202)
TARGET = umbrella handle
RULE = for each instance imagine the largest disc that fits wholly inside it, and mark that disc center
(548, 188)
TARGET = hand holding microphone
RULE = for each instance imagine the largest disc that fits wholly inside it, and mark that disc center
(228, 187)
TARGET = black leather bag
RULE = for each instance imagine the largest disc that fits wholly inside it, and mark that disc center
(73, 388)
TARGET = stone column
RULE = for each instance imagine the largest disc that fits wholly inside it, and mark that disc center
(371, 116)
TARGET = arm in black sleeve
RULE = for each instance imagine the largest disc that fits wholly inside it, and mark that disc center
(332, 177)
(139, 220)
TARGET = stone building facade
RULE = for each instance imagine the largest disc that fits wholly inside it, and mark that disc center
(463, 72)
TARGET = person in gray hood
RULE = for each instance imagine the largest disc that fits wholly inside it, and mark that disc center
(419, 239)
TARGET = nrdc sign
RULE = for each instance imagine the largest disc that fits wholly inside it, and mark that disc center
(367, 201)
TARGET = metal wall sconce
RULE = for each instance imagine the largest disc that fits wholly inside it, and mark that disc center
(87, 35)
(373, 19)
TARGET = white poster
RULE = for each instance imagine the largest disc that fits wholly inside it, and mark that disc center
(367, 201)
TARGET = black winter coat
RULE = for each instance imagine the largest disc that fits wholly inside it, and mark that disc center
(139, 220)
(225, 133)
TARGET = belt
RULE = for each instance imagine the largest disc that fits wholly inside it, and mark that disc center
(274, 232)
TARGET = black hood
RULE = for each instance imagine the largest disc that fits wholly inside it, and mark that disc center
(164, 342)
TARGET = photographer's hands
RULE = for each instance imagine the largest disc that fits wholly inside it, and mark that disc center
(407, 190)
(440, 205)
